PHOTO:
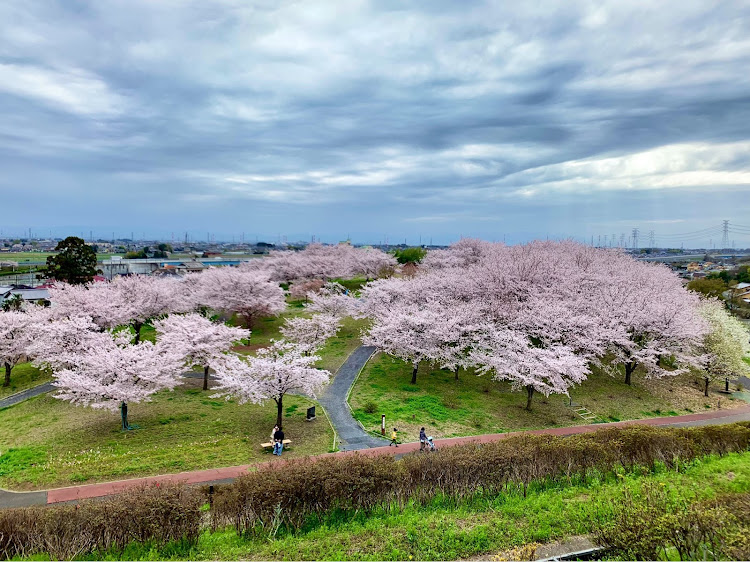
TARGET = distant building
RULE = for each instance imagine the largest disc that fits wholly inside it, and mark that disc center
(29, 295)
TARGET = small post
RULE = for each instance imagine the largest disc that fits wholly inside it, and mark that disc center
(211, 496)
(382, 424)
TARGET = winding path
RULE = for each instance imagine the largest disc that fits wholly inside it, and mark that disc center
(351, 435)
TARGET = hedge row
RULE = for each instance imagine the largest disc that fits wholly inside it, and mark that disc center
(648, 523)
(156, 514)
(293, 493)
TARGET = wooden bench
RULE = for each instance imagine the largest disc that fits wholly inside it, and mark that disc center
(269, 445)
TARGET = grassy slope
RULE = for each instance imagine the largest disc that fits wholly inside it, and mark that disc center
(22, 377)
(442, 531)
(57, 444)
(476, 405)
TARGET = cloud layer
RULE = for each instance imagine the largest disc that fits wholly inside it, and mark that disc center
(374, 119)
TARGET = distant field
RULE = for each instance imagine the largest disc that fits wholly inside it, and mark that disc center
(31, 257)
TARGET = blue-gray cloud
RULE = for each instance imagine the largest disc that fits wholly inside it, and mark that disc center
(374, 118)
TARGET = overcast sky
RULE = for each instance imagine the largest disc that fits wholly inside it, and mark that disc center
(398, 119)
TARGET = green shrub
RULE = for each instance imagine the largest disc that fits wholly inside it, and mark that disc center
(650, 522)
(370, 407)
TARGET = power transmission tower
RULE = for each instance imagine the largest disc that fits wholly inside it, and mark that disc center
(651, 239)
(612, 240)
(725, 237)
(634, 236)
(622, 240)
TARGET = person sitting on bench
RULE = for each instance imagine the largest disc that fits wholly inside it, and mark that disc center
(278, 442)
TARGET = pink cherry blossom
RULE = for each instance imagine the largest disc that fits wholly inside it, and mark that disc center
(201, 342)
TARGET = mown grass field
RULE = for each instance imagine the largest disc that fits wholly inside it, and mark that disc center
(474, 405)
(22, 377)
(45, 442)
(35, 257)
(444, 530)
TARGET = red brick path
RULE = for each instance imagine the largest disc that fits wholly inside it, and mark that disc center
(204, 476)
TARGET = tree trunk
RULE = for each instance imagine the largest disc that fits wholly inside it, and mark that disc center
(456, 373)
(124, 416)
(414, 374)
(137, 327)
(8, 369)
(629, 370)
(529, 395)
(726, 385)
(279, 409)
(205, 377)
(705, 388)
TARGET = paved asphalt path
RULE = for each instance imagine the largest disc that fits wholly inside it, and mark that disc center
(334, 400)
(351, 435)
(26, 394)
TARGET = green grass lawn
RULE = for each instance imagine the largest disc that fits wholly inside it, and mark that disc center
(26, 257)
(443, 530)
(475, 405)
(22, 377)
(45, 442)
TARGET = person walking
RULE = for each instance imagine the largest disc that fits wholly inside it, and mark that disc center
(394, 437)
(422, 439)
(278, 442)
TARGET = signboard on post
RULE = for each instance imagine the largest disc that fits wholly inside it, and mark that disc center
(382, 424)
(310, 414)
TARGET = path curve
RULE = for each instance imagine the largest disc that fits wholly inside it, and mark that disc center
(351, 435)
(227, 474)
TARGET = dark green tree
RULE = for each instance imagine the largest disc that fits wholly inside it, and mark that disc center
(410, 255)
(709, 287)
(743, 274)
(15, 302)
(75, 262)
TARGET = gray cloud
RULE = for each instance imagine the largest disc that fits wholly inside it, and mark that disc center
(371, 118)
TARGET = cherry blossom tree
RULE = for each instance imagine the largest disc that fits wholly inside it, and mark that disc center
(14, 341)
(200, 341)
(96, 300)
(310, 334)
(651, 316)
(140, 299)
(412, 333)
(58, 343)
(726, 344)
(134, 300)
(247, 292)
(301, 289)
(273, 373)
(333, 299)
(317, 261)
(115, 373)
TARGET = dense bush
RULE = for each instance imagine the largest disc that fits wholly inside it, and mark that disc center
(650, 523)
(295, 492)
(155, 514)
